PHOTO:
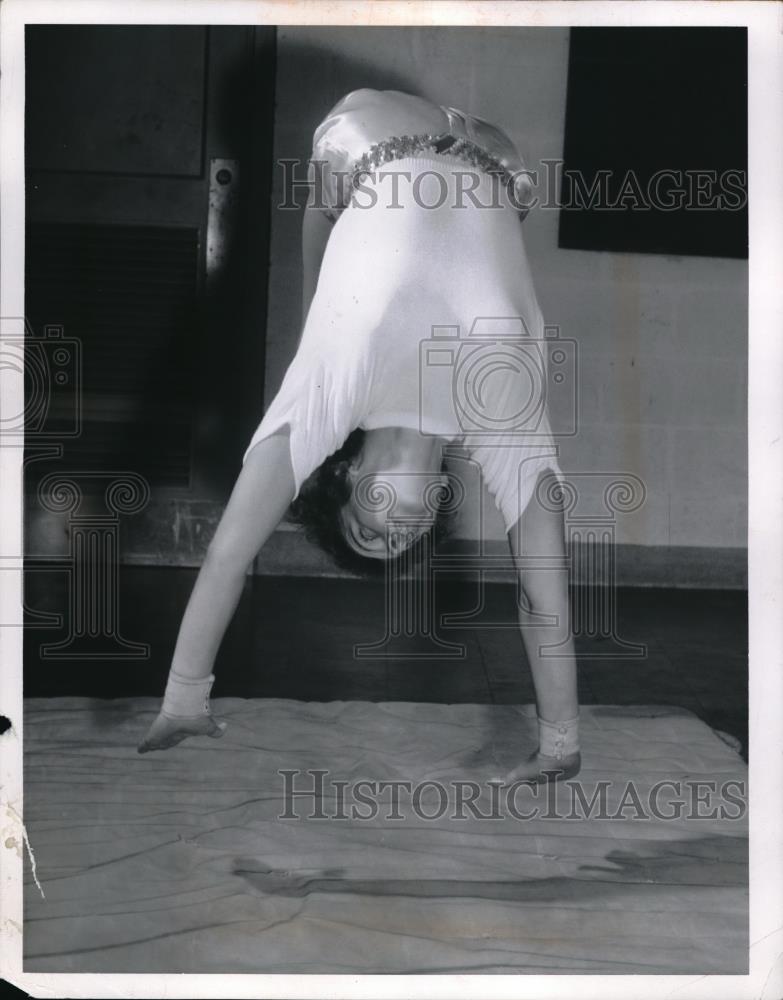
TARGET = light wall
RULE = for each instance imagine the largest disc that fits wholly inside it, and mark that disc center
(662, 340)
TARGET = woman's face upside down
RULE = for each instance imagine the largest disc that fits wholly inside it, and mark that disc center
(396, 481)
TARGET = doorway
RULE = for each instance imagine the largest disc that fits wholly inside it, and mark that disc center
(148, 183)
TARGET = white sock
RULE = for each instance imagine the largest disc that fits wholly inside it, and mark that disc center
(558, 739)
(186, 696)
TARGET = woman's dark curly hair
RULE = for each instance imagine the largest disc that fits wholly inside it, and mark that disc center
(319, 504)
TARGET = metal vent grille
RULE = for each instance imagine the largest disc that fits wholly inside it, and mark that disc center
(127, 295)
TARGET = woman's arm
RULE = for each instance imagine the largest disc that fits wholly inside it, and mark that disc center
(316, 227)
(258, 502)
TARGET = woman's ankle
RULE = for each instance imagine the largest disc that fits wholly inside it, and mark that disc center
(558, 740)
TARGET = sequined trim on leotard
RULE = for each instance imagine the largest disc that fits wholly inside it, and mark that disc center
(399, 146)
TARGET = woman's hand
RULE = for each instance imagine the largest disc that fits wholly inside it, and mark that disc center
(166, 732)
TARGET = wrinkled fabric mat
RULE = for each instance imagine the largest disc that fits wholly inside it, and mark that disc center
(177, 861)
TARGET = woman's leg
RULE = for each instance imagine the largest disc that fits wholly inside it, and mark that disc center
(538, 540)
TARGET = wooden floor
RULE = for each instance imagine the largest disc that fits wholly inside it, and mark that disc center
(180, 862)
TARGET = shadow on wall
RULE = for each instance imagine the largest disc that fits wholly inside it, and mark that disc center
(325, 77)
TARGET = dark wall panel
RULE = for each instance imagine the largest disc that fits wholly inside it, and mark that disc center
(642, 101)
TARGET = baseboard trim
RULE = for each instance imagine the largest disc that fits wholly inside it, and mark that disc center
(178, 533)
(289, 553)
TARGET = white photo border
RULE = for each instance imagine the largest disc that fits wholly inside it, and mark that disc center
(764, 22)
